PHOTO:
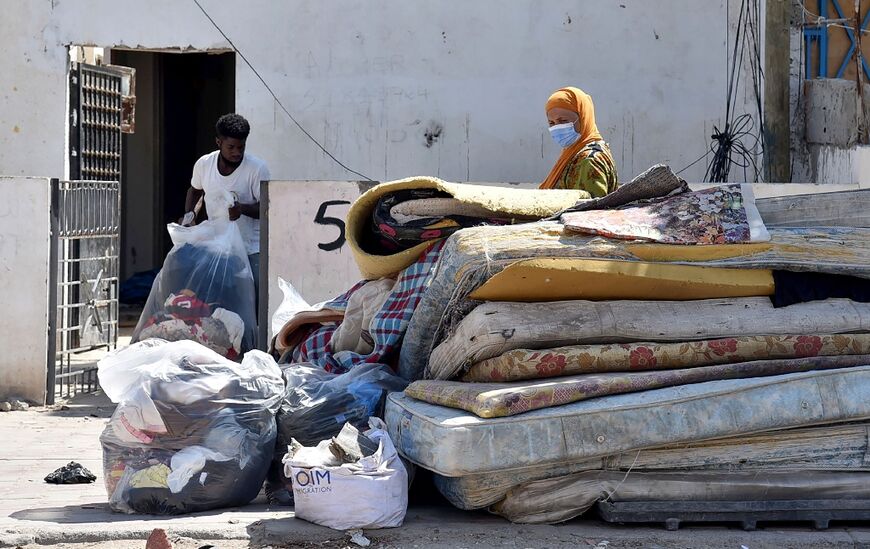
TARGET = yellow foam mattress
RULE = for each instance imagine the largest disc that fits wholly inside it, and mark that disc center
(557, 279)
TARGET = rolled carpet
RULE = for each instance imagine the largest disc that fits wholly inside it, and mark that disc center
(509, 201)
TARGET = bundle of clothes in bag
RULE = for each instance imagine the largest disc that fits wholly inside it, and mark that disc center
(204, 292)
(192, 430)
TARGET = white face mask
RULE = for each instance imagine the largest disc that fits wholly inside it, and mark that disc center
(564, 134)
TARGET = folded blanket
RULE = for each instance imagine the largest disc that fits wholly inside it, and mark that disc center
(300, 326)
(385, 329)
(391, 234)
(522, 364)
(489, 400)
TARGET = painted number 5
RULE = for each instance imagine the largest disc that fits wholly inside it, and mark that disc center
(322, 219)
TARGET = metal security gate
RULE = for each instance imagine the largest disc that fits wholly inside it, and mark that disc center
(87, 217)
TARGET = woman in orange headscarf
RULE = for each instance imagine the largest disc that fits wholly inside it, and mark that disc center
(585, 162)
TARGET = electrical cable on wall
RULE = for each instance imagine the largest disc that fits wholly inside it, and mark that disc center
(738, 144)
(275, 97)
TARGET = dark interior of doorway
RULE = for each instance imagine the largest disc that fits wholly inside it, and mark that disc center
(179, 96)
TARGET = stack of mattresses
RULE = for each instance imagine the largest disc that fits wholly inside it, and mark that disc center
(556, 369)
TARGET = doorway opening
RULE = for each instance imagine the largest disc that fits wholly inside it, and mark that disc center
(179, 97)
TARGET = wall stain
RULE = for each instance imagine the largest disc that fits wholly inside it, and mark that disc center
(363, 186)
(432, 134)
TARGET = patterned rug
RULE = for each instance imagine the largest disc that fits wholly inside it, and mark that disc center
(718, 215)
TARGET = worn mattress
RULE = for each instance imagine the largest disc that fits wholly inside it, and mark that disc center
(841, 208)
(473, 256)
(601, 279)
(490, 400)
(560, 499)
(495, 328)
(452, 442)
(524, 364)
(842, 447)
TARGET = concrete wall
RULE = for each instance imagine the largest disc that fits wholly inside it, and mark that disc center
(829, 164)
(32, 92)
(24, 260)
(370, 80)
(296, 239)
(825, 142)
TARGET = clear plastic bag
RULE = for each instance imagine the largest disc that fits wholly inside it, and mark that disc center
(204, 292)
(192, 431)
(318, 404)
(292, 304)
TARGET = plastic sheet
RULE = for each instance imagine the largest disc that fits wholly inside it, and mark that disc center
(192, 431)
(204, 292)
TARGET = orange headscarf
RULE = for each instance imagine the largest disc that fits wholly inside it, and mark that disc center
(572, 99)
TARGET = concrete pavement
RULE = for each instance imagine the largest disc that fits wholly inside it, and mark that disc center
(39, 441)
(33, 513)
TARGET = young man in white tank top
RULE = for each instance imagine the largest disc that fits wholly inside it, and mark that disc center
(230, 169)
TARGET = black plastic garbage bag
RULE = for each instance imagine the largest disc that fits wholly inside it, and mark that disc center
(71, 473)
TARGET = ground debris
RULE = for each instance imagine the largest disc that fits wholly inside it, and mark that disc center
(357, 538)
(158, 540)
(71, 473)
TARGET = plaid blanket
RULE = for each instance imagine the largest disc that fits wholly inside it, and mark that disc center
(389, 323)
